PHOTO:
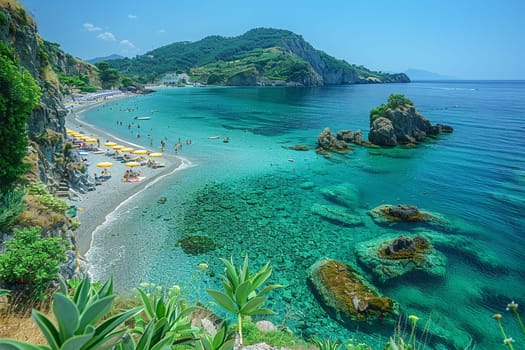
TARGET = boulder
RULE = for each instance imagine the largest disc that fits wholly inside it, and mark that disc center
(345, 194)
(327, 140)
(336, 214)
(382, 132)
(350, 136)
(347, 295)
(394, 256)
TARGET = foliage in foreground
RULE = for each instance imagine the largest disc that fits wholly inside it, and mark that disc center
(241, 295)
(31, 260)
(11, 205)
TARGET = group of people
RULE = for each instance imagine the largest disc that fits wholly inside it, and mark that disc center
(132, 176)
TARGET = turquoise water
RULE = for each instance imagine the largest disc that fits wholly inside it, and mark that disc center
(247, 196)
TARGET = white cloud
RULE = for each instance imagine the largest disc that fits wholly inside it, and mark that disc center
(107, 36)
(91, 27)
(132, 16)
(127, 45)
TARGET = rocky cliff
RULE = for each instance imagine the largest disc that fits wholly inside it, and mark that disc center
(46, 125)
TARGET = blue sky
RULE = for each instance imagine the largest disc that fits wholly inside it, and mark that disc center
(467, 39)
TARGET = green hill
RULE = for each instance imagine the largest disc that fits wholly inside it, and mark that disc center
(260, 56)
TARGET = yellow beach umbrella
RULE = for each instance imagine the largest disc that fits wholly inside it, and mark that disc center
(70, 132)
(132, 164)
(110, 144)
(104, 164)
(84, 137)
(91, 140)
(140, 151)
(126, 149)
(118, 147)
(155, 154)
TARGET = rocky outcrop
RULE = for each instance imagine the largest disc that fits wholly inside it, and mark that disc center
(328, 141)
(403, 125)
(393, 257)
(348, 296)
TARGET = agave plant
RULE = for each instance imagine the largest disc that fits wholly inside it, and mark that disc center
(241, 295)
(326, 344)
(221, 340)
(78, 320)
(166, 321)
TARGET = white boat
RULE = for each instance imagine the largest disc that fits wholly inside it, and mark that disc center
(214, 137)
(143, 118)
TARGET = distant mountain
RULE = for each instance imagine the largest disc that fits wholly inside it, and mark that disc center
(106, 58)
(420, 74)
(261, 56)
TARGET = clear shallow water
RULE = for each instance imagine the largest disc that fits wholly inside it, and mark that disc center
(247, 196)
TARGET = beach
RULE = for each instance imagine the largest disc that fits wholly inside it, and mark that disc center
(93, 207)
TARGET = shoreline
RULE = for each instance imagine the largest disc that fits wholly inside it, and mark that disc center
(95, 207)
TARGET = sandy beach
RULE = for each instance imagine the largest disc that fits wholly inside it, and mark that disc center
(93, 207)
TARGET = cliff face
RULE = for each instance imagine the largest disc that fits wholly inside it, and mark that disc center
(337, 72)
(43, 60)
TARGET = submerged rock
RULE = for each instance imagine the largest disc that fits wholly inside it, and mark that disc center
(345, 194)
(388, 213)
(346, 294)
(195, 245)
(336, 214)
(299, 148)
(391, 257)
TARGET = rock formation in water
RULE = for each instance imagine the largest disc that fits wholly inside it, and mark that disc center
(392, 257)
(398, 122)
(347, 295)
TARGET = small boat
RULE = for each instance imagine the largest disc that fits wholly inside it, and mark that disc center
(214, 137)
(142, 118)
(226, 140)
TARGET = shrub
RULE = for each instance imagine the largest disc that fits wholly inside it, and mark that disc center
(394, 101)
(11, 205)
(32, 260)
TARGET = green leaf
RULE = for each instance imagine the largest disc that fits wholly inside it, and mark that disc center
(245, 271)
(106, 289)
(205, 343)
(223, 300)
(242, 292)
(67, 316)
(95, 312)
(81, 296)
(220, 336)
(252, 305)
(269, 288)
(109, 325)
(47, 328)
(261, 276)
(160, 310)
(148, 307)
(12, 344)
(263, 311)
(227, 345)
(76, 342)
(231, 273)
(145, 340)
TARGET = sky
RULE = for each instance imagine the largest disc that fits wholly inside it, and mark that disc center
(466, 39)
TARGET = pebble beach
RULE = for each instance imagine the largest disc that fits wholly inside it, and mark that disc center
(93, 207)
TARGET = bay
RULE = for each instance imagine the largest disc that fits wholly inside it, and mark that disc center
(249, 196)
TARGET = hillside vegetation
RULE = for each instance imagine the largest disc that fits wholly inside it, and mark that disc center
(260, 55)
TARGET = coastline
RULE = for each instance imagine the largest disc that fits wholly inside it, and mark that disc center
(94, 207)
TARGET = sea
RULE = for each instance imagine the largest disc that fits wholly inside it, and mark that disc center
(255, 195)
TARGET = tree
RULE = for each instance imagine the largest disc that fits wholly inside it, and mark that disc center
(108, 76)
(19, 95)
